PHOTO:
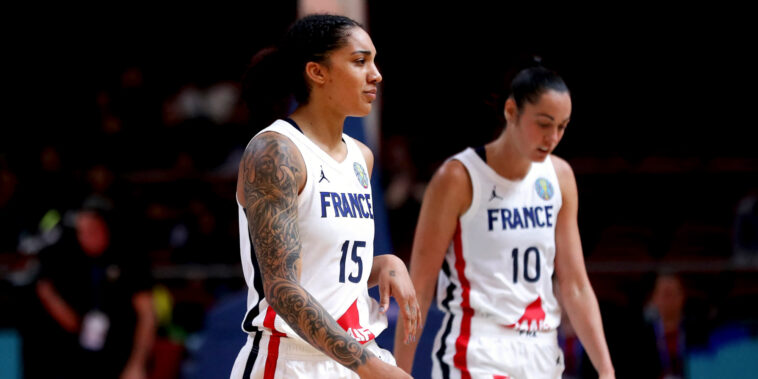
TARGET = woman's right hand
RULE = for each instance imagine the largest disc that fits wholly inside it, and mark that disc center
(376, 368)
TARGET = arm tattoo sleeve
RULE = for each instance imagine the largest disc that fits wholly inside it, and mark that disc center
(272, 172)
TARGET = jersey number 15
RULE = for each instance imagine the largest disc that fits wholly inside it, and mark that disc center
(355, 258)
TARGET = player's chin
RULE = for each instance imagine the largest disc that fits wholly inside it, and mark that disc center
(540, 156)
(364, 110)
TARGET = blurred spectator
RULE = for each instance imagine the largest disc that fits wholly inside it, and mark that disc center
(217, 102)
(195, 239)
(665, 313)
(195, 112)
(403, 193)
(48, 184)
(100, 179)
(95, 288)
(10, 209)
(746, 231)
(41, 193)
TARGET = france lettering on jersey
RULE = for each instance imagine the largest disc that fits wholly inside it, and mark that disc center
(336, 225)
(500, 265)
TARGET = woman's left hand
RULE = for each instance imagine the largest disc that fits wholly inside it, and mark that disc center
(393, 280)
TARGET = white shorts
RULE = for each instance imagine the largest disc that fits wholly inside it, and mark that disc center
(292, 359)
(494, 352)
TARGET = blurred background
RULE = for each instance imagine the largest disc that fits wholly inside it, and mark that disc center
(137, 124)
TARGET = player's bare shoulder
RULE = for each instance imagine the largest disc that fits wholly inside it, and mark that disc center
(451, 183)
(562, 168)
(565, 174)
(453, 173)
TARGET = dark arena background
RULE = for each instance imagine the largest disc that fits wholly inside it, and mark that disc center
(140, 116)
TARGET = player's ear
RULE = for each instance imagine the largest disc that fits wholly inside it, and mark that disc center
(510, 110)
(316, 73)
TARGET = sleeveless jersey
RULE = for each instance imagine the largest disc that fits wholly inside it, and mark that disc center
(336, 226)
(500, 264)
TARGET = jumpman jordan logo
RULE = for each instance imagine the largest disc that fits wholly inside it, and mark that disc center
(494, 194)
(323, 177)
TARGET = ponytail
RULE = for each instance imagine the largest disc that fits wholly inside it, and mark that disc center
(502, 88)
(266, 88)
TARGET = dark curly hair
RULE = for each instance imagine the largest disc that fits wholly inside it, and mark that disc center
(277, 73)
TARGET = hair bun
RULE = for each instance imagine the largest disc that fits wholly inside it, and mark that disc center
(536, 61)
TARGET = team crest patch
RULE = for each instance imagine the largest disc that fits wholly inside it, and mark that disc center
(544, 188)
(360, 174)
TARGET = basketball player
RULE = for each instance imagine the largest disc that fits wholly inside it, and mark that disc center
(495, 223)
(306, 218)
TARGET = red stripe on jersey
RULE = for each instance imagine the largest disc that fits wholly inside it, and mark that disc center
(501, 377)
(461, 344)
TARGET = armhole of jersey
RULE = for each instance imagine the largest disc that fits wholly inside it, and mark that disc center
(474, 189)
(275, 129)
(351, 144)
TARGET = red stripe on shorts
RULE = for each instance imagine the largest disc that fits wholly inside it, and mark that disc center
(273, 344)
(461, 344)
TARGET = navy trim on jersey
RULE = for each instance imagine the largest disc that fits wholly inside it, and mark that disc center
(294, 124)
(247, 325)
(482, 153)
(449, 325)
(253, 355)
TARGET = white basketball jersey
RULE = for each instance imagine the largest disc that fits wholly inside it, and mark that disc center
(336, 225)
(500, 265)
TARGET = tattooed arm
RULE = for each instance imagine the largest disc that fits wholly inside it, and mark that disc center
(271, 174)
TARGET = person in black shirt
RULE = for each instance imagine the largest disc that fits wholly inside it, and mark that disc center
(96, 291)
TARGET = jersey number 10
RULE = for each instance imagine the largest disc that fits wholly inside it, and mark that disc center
(525, 260)
(355, 258)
